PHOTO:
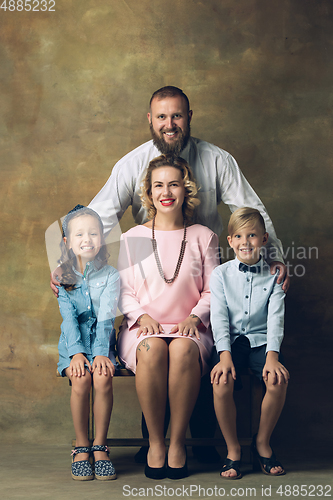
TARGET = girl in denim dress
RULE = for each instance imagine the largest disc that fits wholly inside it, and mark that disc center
(88, 298)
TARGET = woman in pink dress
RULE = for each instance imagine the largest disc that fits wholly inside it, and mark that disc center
(165, 338)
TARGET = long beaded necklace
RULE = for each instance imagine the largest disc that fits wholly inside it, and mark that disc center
(158, 262)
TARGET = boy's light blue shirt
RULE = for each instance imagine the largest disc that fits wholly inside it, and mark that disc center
(88, 314)
(246, 303)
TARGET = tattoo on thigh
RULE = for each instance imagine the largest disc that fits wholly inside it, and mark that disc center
(145, 344)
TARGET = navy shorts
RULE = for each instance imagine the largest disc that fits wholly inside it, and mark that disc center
(244, 357)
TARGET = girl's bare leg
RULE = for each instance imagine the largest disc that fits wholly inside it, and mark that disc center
(80, 410)
(184, 385)
(151, 381)
(103, 402)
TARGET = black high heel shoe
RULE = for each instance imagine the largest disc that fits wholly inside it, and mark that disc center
(178, 472)
(263, 463)
(156, 472)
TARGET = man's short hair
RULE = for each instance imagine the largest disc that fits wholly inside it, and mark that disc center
(243, 217)
(169, 91)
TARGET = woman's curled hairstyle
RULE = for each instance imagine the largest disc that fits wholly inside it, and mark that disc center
(191, 189)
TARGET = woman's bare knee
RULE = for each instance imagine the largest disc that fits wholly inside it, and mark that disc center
(184, 351)
(152, 351)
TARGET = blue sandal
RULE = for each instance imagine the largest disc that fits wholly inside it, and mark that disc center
(82, 470)
(104, 469)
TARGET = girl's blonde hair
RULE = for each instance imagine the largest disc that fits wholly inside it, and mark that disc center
(68, 259)
(191, 189)
(245, 216)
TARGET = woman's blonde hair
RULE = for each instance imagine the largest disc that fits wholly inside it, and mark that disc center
(245, 216)
(191, 189)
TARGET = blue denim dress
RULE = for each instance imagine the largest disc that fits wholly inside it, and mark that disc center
(88, 314)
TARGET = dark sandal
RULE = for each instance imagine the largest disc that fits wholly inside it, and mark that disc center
(104, 469)
(266, 464)
(82, 470)
(231, 464)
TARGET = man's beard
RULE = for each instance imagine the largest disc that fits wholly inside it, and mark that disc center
(175, 147)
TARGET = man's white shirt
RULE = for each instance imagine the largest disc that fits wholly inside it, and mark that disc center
(218, 177)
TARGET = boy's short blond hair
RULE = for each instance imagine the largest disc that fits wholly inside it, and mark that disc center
(243, 217)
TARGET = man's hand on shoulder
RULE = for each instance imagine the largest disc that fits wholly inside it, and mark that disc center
(54, 276)
(283, 274)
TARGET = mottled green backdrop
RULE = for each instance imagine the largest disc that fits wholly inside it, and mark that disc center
(74, 91)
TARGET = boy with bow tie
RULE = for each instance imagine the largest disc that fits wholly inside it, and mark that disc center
(247, 318)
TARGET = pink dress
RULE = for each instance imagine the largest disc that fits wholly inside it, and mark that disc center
(144, 291)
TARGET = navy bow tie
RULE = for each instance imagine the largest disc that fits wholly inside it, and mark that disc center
(245, 267)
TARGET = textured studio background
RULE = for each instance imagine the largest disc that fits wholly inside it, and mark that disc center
(74, 91)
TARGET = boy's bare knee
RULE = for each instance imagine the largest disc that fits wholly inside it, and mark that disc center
(222, 390)
(275, 388)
